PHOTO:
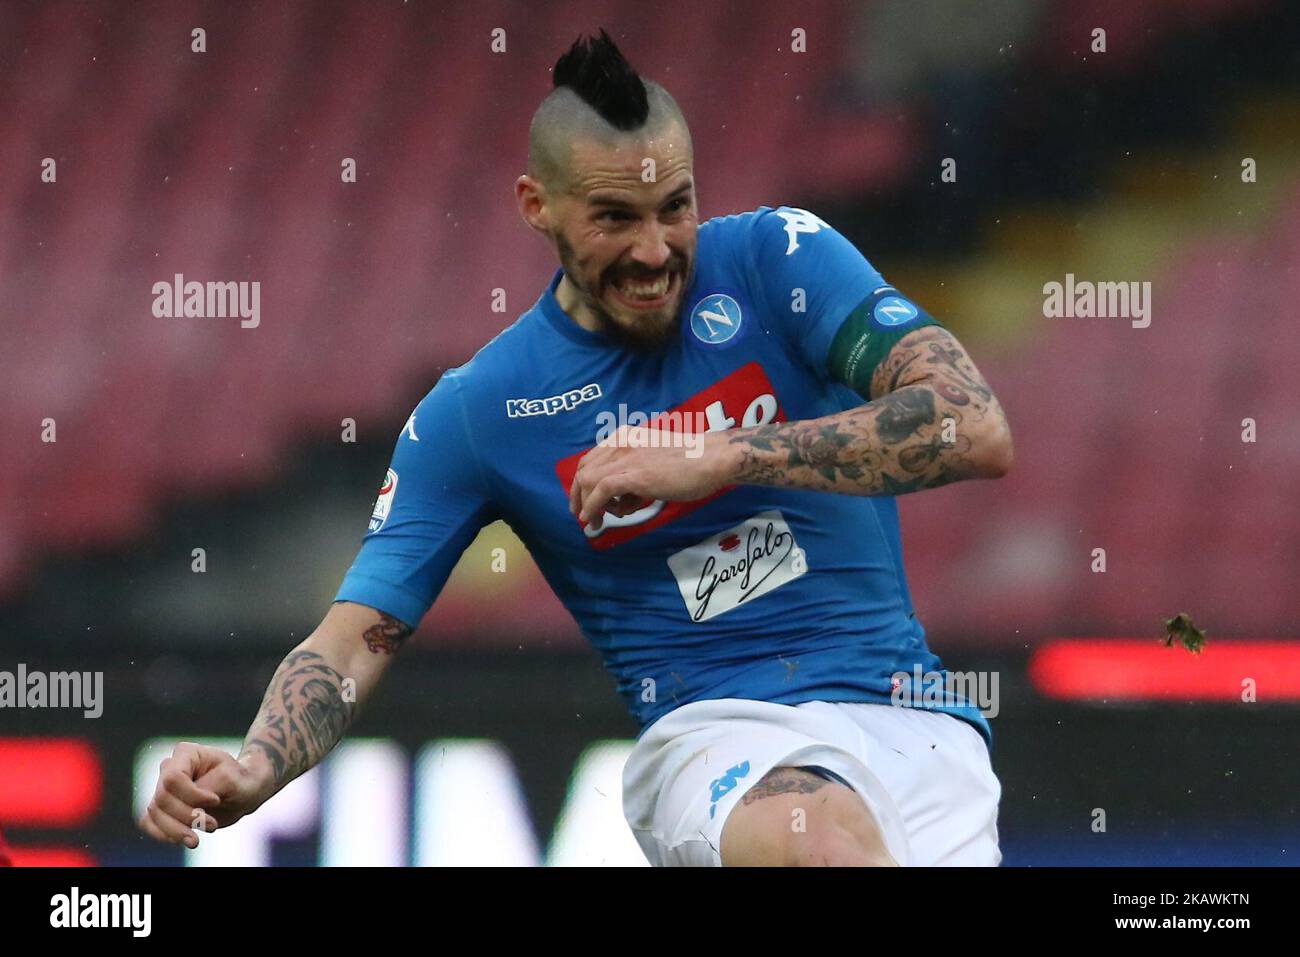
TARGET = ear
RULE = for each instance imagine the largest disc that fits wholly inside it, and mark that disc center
(530, 197)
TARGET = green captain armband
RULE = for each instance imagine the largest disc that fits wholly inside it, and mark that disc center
(869, 332)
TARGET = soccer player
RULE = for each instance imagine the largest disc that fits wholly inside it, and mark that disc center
(733, 552)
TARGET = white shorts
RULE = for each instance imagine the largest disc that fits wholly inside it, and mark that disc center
(924, 775)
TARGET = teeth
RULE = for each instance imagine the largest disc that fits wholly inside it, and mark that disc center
(645, 290)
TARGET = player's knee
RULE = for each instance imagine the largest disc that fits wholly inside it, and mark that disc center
(840, 832)
(826, 825)
(836, 845)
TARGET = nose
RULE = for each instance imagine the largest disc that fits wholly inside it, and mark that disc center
(650, 246)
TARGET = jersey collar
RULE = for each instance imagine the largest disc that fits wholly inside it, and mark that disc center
(563, 322)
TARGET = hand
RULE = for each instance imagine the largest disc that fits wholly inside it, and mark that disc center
(203, 787)
(627, 471)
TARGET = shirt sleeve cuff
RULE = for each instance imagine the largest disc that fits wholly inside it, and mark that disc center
(404, 605)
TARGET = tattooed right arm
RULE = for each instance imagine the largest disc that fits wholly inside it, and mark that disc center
(315, 693)
(311, 701)
(304, 714)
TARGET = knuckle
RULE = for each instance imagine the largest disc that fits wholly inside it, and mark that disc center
(223, 778)
(172, 779)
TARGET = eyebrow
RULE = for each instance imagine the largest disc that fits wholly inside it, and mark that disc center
(611, 201)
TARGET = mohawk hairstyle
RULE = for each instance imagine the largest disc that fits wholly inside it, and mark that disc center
(595, 69)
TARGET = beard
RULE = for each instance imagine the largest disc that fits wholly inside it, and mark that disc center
(649, 332)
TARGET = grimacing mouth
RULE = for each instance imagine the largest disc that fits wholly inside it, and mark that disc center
(637, 286)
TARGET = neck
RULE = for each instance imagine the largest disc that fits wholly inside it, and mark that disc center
(567, 296)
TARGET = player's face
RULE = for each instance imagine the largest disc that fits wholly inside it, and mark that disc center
(628, 246)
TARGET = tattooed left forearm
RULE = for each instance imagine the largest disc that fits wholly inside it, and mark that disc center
(935, 421)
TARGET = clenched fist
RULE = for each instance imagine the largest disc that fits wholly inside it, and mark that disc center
(635, 466)
(201, 787)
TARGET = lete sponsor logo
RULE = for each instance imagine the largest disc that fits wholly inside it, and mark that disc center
(732, 567)
(745, 398)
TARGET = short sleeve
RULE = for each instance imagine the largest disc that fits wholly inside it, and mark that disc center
(432, 503)
(831, 304)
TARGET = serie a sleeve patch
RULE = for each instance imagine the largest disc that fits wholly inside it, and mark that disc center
(869, 332)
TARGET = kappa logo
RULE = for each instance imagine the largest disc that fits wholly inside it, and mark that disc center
(409, 428)
(721, 787)
(799, 221)
(716, 319)
(551, 405)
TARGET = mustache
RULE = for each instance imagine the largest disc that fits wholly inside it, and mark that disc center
(676, 264)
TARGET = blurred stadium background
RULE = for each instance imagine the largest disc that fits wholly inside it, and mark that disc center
(498, 737)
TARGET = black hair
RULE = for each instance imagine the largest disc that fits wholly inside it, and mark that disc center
(595, 69)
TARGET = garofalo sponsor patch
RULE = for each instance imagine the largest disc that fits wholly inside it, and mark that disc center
(730, 568)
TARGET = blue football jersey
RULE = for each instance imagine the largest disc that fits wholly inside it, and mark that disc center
(773, 594)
